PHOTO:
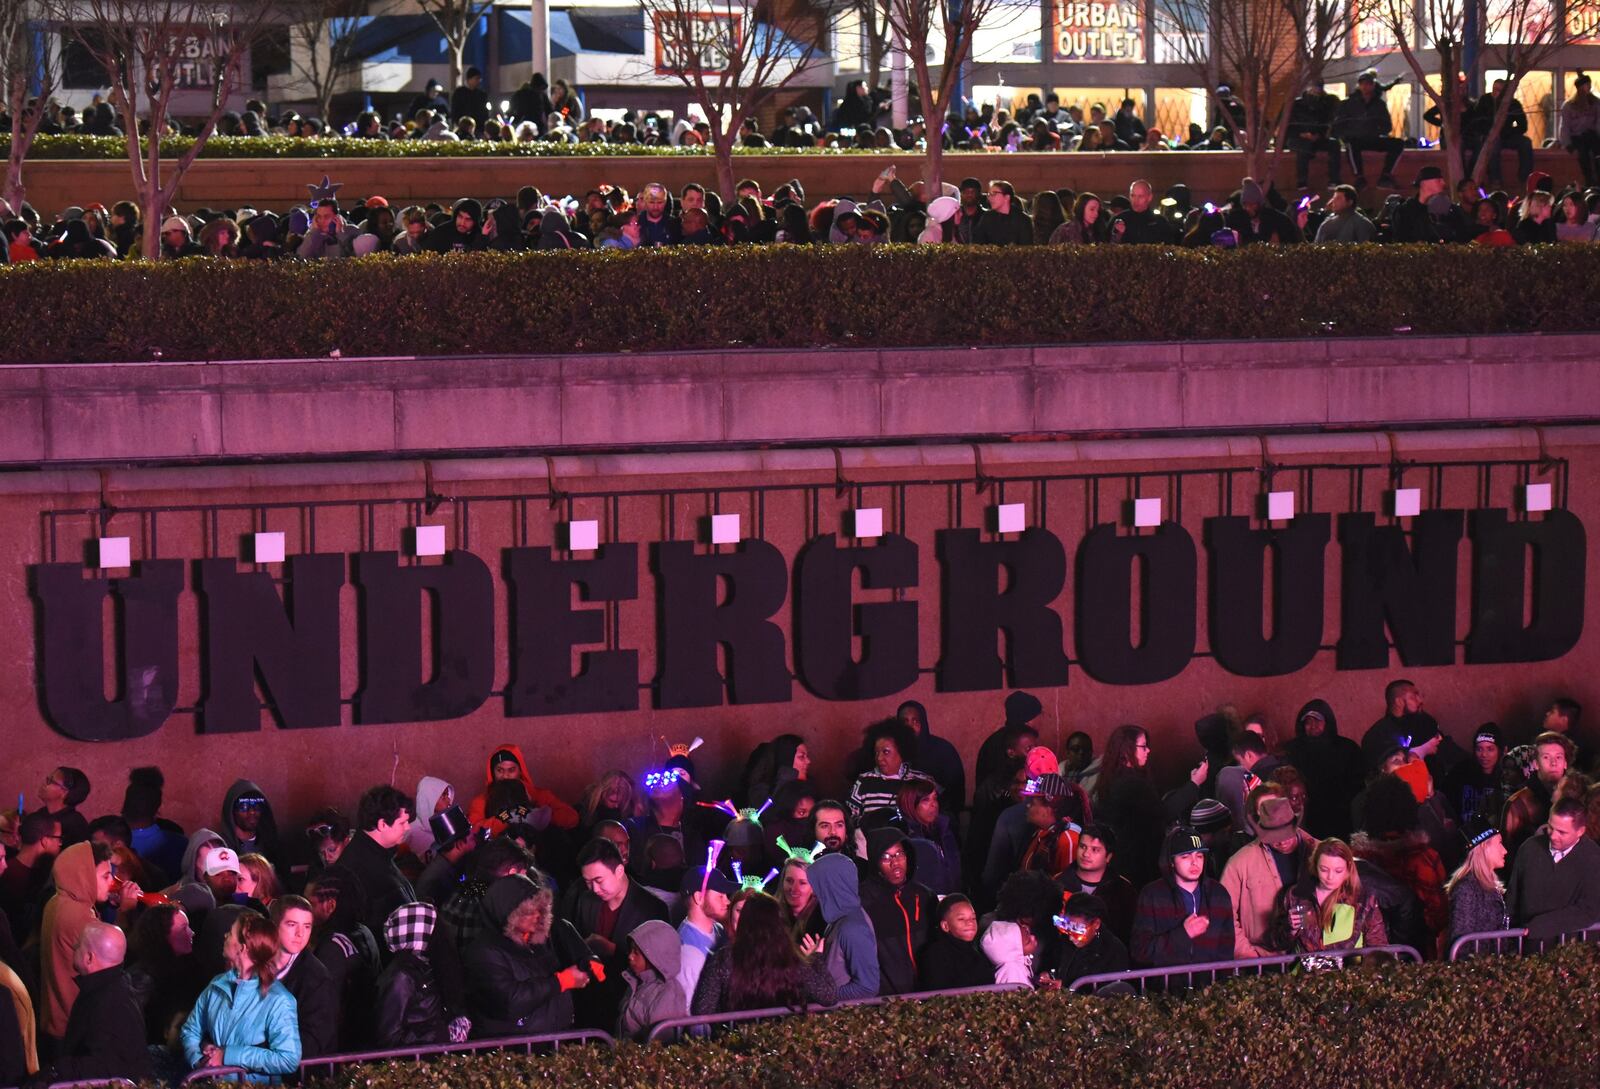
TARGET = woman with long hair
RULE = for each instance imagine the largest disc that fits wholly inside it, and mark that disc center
(612, 797)
(245, 1017)
(258, 879)
(762, 968)
(1477, 895)
(1126, 799)
(163, 971)
(1328, 909)
(1048, 216)
(801, 912)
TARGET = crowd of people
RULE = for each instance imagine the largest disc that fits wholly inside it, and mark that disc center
(1346, 131)
(130, 947)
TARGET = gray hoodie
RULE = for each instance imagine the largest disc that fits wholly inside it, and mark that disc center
(191, 890)
(852, 944)
(655, 996)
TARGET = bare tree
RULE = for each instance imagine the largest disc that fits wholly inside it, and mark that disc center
(1264, 51)
(29, 74)
(153, 51)
(455, 20)
(322, 43)
(1439, 25)
(872, 16)
(1524, 36)
(733, 60)
(921, 23)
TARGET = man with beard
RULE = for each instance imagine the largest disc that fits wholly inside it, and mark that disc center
(1404, 724)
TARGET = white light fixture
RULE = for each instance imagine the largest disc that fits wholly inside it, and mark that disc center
(583, 535)
(866, 523)
(1147, 512)
(1536, 497)
(1407, 502)
(268, 547)
(112, 552)
(725, 529)
(1280, 506)
(427, 540)
(1011, 517)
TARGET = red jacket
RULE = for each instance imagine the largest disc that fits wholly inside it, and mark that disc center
(562, 815)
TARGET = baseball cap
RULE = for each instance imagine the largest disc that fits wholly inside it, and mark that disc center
(1183, 841)
(718, 881)
(222, 860)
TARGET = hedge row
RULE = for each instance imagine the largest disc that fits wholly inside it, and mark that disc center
(1490, 1022)
(693, 298)
(75, 146)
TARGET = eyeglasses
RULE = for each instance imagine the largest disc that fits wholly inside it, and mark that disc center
(250, 803)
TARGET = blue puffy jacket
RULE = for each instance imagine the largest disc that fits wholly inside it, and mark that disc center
(260, 1032)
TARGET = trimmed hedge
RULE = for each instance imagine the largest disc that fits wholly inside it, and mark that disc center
(693, 298)
(76, 146)
(1498, 1021)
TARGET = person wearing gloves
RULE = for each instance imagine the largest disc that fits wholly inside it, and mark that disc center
(524, 962)
(410, 1009)
(849, 943)
(654, 994)
(507, 762)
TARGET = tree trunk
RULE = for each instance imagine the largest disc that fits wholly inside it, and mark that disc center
(15, 191)
(722, 145)
(458, 62)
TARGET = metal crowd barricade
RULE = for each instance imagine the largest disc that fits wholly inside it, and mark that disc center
(214, 1073)
(676, 1028)
(1187, 976)
(1501, 942)
(328, 1064)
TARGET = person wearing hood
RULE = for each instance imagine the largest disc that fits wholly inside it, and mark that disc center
(191, 889)
(555, 230)
(247, 823)
(1332, 766)
(83, 879)
(261, 238)
(903, 912)
(654, 994)
(523, 963)
(434, 795)
(505, 228)
(410, 1010)
(464, 232)
(507, 762)
(1005, 944)
(952, 959)
(76, 241)
(1182, 917)
(1015, 738)
(1090, 948)
(938, 758)
(850, 944)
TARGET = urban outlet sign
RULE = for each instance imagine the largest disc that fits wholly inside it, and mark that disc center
(1002, 609)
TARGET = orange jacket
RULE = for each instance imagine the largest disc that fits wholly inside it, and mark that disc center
(562, 815)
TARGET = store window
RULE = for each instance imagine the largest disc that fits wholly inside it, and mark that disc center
(1177, 108)
(1583, 21)
(1012, 33)
(1003, 96)
(1536, 92)
(1373, 26)
(1518, 20)
(1180, 31)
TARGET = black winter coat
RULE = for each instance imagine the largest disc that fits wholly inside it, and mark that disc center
(512, 990)
(410, 1009)
(105, 1032)
(316, 999)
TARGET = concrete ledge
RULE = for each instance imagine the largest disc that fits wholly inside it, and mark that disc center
(296, 409)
